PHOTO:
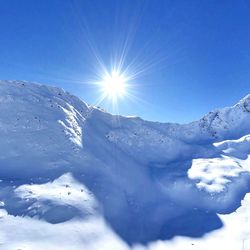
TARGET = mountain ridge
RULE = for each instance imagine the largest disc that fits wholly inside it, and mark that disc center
(64, 160)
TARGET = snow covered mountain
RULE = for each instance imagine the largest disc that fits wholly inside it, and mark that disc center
(75, 174)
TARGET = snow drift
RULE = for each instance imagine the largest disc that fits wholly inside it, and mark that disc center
(63, 161)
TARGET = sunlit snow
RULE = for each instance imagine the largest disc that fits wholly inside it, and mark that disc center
(75, 176)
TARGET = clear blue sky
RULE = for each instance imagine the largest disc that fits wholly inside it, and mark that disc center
(198, 52)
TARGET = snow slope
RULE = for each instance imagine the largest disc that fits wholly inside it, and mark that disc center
(75, 174)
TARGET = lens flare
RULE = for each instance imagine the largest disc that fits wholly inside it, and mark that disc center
(113, 85)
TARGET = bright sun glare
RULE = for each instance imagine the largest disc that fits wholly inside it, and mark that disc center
(113, 85)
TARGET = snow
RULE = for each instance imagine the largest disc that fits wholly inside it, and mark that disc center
(215, 174)
(55, 200)
(76, 175)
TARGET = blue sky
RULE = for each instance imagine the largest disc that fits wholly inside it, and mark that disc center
(195, 55)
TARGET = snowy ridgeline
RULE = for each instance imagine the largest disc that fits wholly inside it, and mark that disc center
(115, 182)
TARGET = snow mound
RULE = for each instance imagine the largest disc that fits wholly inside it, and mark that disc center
(57, 201)
(217, 174)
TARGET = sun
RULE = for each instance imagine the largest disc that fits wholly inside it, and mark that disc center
(113, 85)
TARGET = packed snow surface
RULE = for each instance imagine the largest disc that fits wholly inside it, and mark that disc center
(75, 177)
